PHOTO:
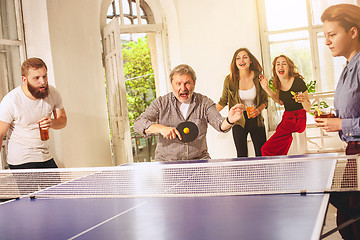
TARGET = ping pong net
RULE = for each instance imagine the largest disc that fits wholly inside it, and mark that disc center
(302, 175)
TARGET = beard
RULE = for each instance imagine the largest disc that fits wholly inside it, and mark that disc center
(37, 92)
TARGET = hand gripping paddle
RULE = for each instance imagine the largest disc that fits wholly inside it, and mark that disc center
(188, 131)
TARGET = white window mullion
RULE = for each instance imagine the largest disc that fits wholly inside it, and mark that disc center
(10, 42)
(20, 29)
(121, 10)
(138, 12)
(264, 38)
(148, 28)
(313, 44)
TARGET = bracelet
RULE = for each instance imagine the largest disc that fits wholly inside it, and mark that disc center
(227, 119)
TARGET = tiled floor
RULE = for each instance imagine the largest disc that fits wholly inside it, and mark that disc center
(330, 223)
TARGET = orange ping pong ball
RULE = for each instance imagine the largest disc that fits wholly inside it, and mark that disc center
(186, 130)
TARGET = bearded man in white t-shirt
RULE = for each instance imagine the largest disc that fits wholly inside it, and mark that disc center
(26, 109)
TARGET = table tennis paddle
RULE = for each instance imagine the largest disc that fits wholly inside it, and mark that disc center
(188, 131)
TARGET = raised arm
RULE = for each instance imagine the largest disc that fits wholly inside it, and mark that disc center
(265, 85)
(235, 113)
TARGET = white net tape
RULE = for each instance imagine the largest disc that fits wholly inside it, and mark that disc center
(275, 176)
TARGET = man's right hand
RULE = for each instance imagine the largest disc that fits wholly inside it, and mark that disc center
(166, 132)
(169, 132)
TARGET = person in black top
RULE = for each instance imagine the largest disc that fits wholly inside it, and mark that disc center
(290, 91)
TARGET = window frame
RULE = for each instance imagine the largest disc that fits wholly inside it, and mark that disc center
(156, 31)
(19, 42)
(313, 30)
(276, 110)
(10, 82)
(158, 41)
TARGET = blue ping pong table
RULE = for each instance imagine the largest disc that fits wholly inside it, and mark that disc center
(269, 216)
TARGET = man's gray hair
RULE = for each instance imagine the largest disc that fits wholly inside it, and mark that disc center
(183, 69)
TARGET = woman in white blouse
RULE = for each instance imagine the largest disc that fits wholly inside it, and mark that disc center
(242, 86)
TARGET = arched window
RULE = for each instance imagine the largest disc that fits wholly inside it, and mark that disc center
(11, 45)
(128, 11)
(11, 52)
(143, 62)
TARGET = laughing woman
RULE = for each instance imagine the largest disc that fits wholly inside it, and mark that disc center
(291, 91)
(341, 30)
(242, 86)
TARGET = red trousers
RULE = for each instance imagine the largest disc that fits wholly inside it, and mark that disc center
(280, 142)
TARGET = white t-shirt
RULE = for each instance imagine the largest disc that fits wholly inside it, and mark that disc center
(248, 96)
(184, 107)
(24, 143)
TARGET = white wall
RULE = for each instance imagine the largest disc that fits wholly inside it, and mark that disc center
(74, 55)
(209, 34)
